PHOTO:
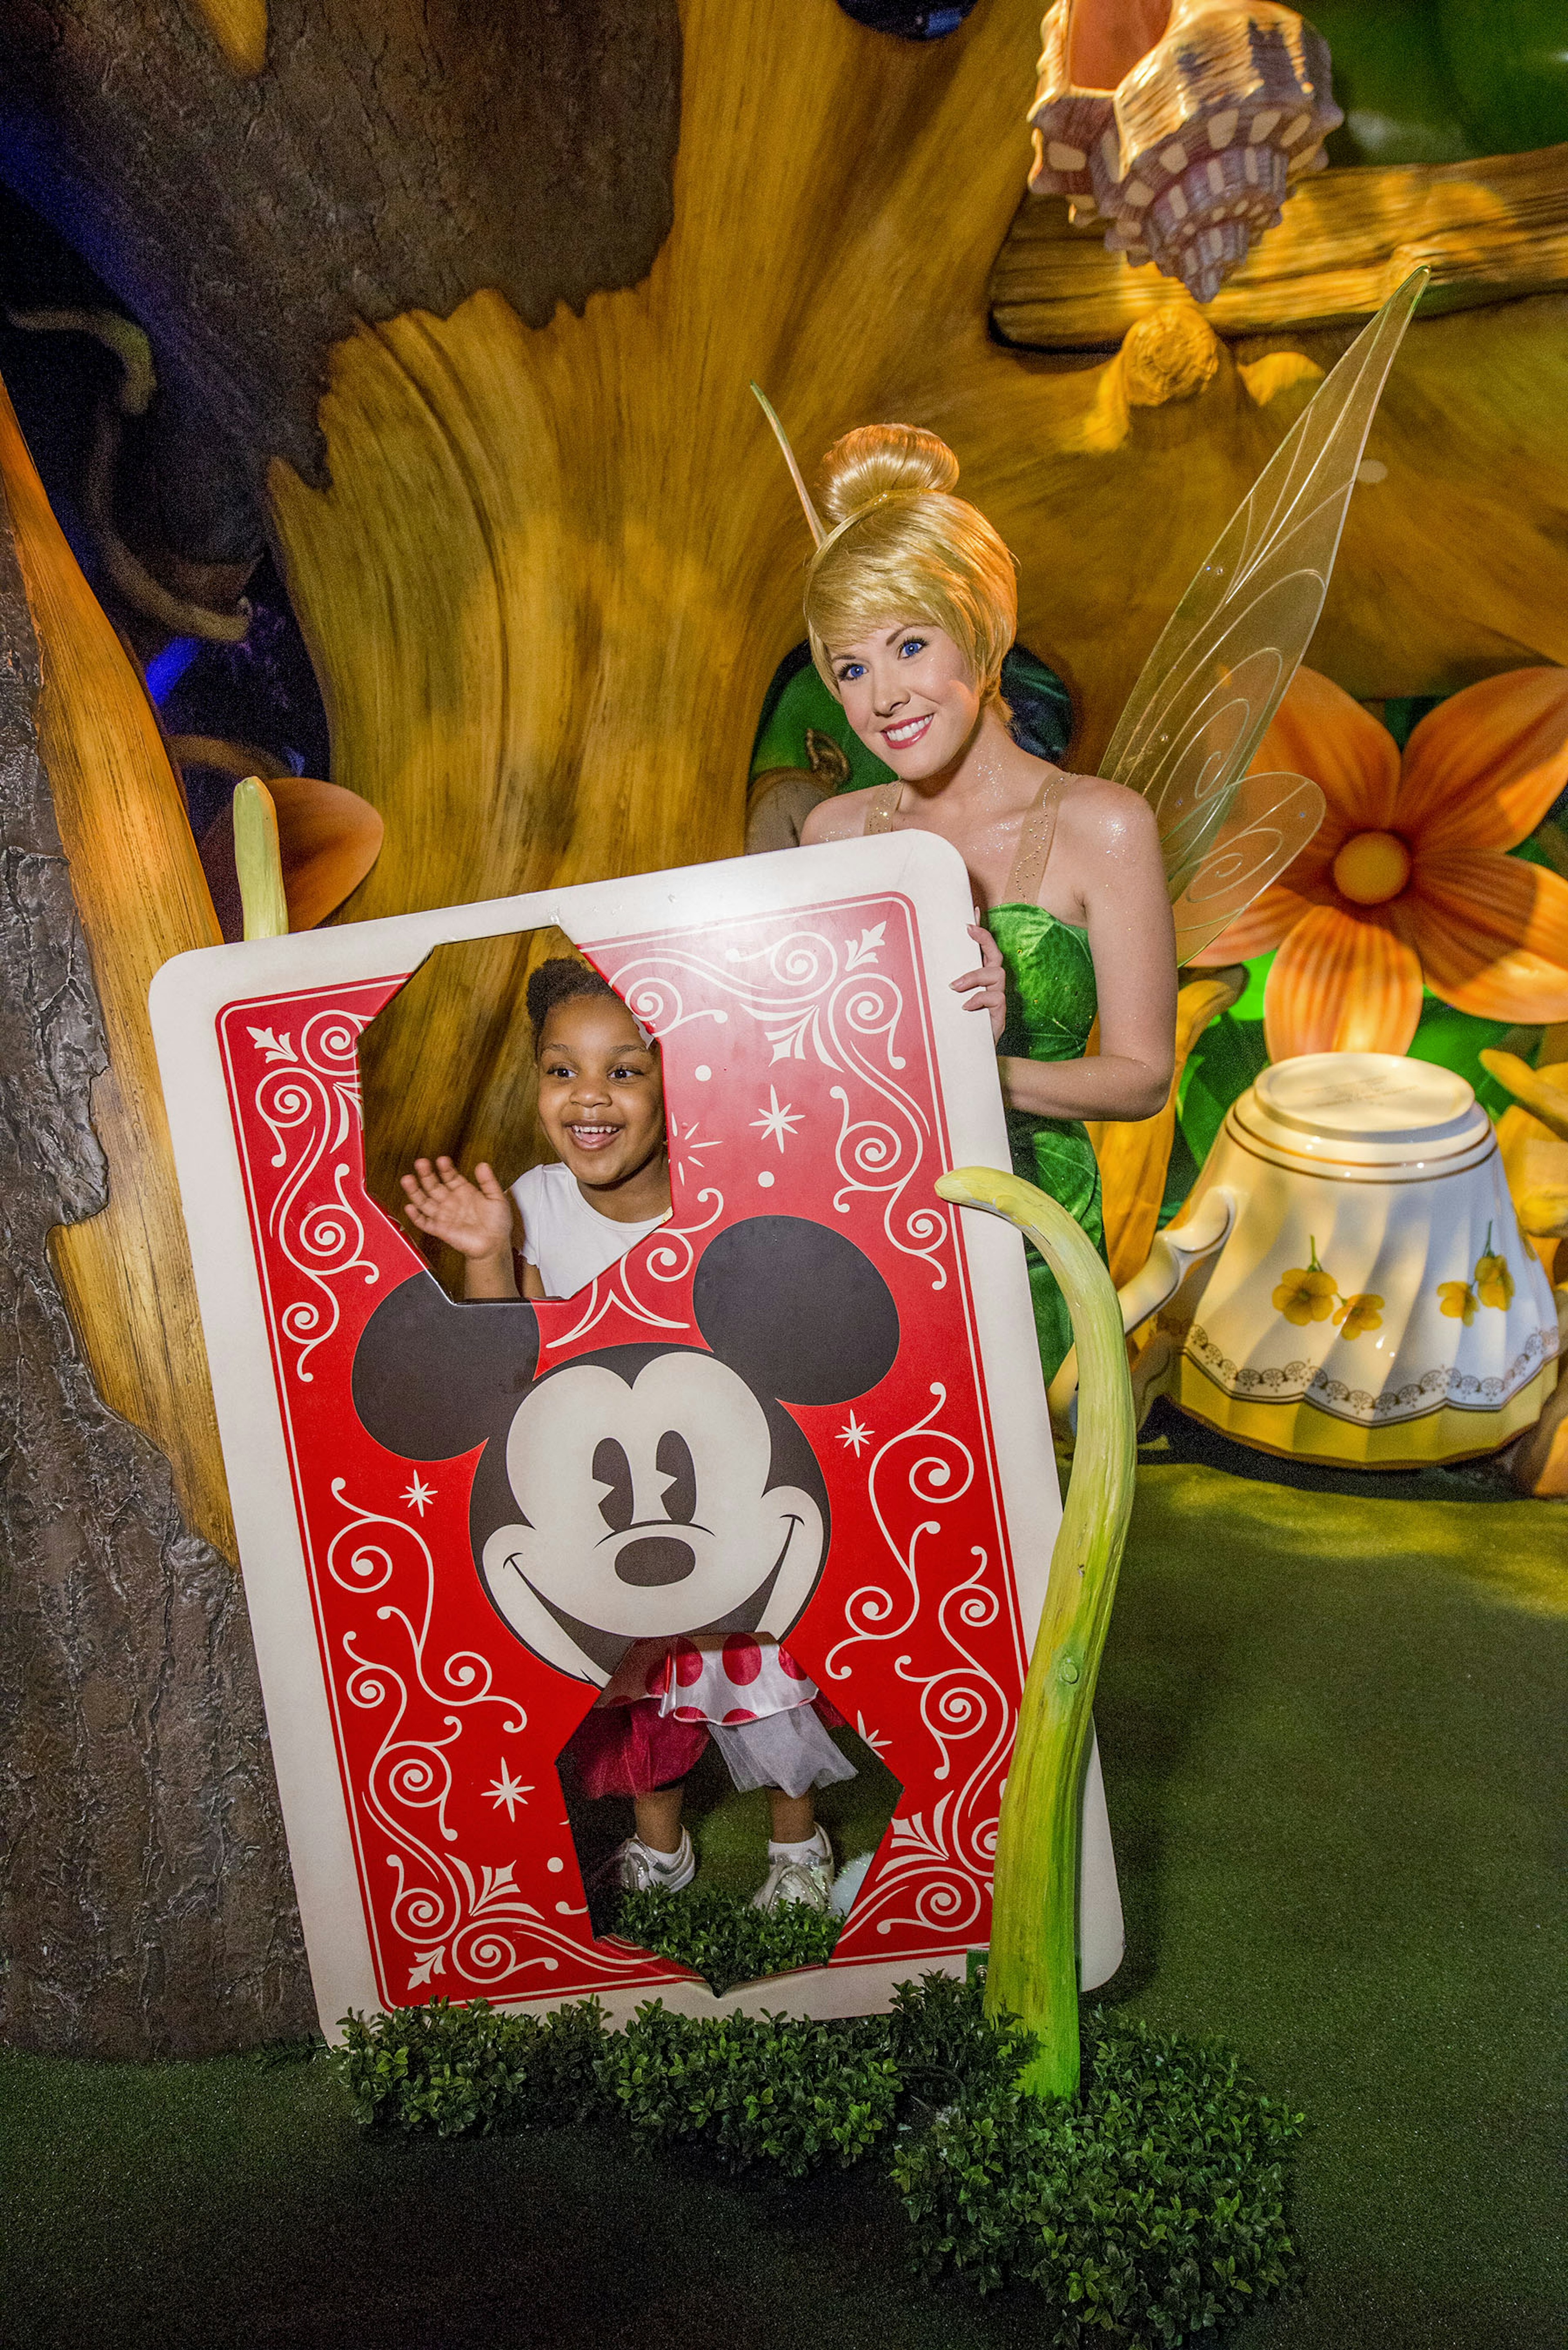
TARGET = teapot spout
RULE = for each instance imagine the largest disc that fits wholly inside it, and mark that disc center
(1173, 1254)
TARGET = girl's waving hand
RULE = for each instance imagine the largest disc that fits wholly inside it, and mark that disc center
(474, 1218)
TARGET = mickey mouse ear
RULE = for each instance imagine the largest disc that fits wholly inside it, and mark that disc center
(797, 1309)
(429, 1377)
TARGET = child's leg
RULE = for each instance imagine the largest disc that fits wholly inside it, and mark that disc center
(794, 1816)
(659, 1817)
(800, 1858)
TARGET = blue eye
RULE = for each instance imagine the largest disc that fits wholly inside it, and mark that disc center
(851, 670)
(912, 645)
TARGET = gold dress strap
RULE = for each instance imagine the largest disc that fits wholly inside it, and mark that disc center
(1034, 839)
(884, 808)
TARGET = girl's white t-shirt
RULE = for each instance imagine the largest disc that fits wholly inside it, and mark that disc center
(566, 1237)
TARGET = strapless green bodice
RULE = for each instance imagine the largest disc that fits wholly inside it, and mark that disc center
(1051, 1007)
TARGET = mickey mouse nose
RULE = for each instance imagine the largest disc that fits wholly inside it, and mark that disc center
(655, 1559)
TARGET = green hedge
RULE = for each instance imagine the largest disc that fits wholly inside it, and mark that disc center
(723, 1938)
(755, 2088)
(1151, 2209)
(461, 2070)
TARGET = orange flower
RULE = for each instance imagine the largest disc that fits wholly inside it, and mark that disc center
(1407, 880)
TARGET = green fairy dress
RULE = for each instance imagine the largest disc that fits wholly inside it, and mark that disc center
(1051, 1007)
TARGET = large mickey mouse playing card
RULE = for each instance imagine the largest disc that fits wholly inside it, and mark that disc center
(825, 1378)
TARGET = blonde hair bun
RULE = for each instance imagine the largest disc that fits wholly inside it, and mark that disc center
(879, 460)
(903, 547)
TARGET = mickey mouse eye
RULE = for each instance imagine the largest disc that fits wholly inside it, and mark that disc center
(612, 1468)
(673, 1459)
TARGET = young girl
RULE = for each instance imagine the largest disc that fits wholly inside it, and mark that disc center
(601, 1105)
(910, 604)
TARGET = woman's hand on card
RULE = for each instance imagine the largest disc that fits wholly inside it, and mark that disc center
(987, 987)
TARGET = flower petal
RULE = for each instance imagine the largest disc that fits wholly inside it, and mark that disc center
(1492, 935)
(1318, 731)
(1341, 984)
(1268, 918)
(1482, 769)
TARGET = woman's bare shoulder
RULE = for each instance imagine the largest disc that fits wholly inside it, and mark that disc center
(1096, 813)
(842, 817)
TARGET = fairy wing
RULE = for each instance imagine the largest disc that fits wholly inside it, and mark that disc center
(1266, 820)
(1214, 681)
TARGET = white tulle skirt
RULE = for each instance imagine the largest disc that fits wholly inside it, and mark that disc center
(791, 1751)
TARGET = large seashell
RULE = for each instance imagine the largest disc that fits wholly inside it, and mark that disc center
(1189, 156)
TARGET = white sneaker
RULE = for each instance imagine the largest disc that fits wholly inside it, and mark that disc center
(810, 1881)
(636, 1867)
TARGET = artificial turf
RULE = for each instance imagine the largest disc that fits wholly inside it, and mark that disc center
(1327, 1721)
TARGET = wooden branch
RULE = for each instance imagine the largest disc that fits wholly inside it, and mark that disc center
(235, 759)
(138, 889)
(1487, 230)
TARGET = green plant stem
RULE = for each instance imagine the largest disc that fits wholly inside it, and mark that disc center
(258, 861)
(1033, 1966)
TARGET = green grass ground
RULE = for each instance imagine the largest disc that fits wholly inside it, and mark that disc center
(1327, 1728)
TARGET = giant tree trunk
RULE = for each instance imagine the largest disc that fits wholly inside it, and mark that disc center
(145, 1901)
(541, 546)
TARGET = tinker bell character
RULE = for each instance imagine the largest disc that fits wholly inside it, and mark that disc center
(910, 604)
(1089, 889)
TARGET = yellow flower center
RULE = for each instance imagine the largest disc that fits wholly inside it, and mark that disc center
(1371, 867)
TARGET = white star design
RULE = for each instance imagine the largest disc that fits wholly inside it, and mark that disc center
(691, 1145)
(507, 1790)
(853, 1434)
(778, 1121)
(419, 1495)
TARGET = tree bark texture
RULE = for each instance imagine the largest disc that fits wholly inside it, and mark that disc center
(146, 1906)
(392, 155)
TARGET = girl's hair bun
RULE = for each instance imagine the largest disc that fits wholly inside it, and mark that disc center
(878, 461)
(557, 982)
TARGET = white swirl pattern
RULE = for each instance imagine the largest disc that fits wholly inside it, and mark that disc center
(472, 1926)
(309, 1101)
(947, 1866)
(812, 995)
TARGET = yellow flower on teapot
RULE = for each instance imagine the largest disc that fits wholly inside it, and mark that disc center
(1493, 1285)
(1307, 1293)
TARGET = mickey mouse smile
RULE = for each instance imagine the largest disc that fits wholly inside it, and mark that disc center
(607, 1650)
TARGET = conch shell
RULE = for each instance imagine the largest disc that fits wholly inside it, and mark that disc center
(1188, 155)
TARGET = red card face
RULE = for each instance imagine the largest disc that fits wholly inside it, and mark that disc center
(844, 1365)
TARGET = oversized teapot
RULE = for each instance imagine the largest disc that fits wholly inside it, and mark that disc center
(1349, 1283)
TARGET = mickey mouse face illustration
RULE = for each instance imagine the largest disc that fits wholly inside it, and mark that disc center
(640, 1491)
